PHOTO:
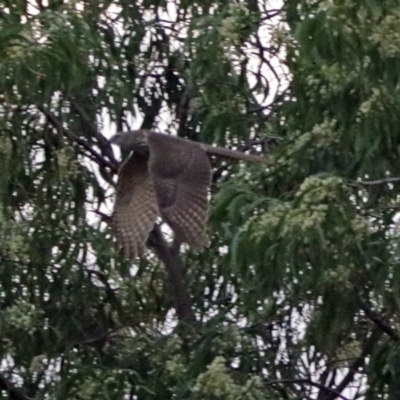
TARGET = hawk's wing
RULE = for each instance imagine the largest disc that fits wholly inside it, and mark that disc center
(181, 176)
(135, 209)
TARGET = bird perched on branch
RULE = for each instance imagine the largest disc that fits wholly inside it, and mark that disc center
(164, 176)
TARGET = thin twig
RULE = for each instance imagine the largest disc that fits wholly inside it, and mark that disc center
(306, 382)
(382, 181)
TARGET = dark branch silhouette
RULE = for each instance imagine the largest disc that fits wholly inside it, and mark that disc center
(13, 392)
(306, 382)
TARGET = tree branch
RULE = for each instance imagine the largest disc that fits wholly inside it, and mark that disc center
(176, 274)
(306, 382)
(13, 392)
(379, 321)
(382, 181)
(102, 142)
(359, 362)
(101, 161)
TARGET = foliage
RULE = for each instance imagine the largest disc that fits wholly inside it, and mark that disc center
(298, 295)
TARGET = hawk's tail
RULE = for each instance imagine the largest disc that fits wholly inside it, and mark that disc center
(237, 155)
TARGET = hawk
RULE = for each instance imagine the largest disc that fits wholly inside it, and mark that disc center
(163, 176)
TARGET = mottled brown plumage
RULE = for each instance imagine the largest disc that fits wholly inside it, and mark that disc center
(164, 176)
(135, 209)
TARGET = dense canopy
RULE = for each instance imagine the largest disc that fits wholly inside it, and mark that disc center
(298, 294)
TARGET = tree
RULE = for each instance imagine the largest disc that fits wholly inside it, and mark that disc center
(297, 296)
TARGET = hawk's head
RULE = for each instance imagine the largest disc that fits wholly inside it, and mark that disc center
(131, 140)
